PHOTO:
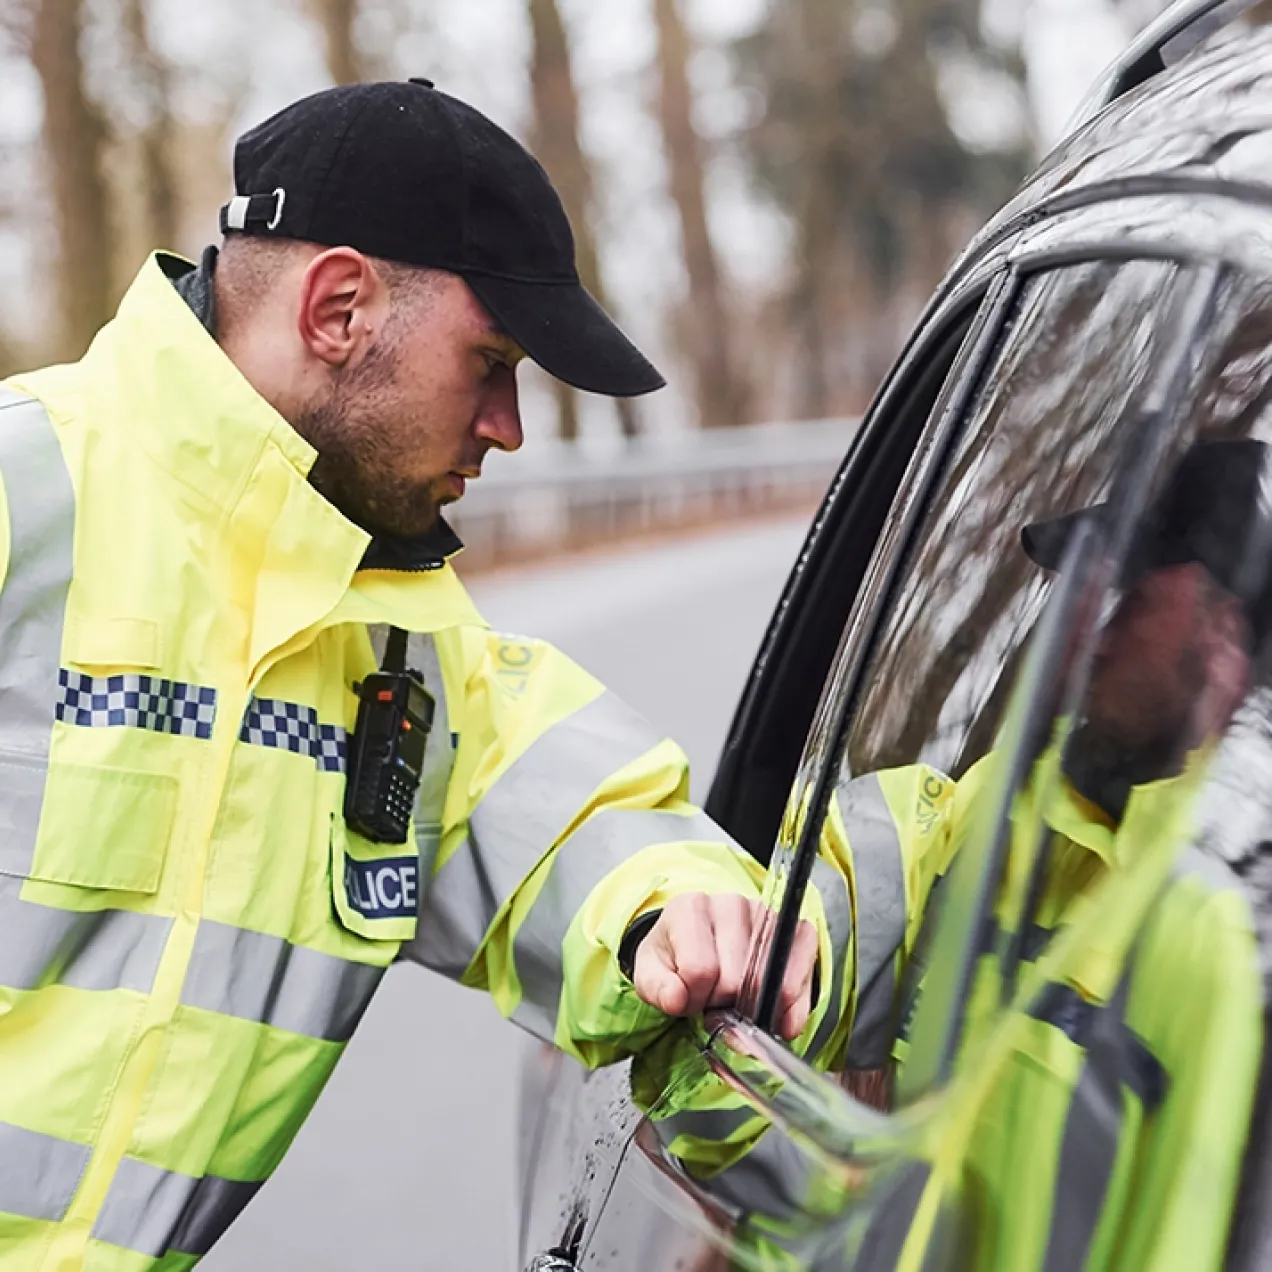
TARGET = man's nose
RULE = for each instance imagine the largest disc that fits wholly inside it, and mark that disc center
(499, 418)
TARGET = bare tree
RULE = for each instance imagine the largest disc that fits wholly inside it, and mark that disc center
(720, 392)
(557, 145)
(151, 78)
(74, 135)
(857, 144)
(338, 20)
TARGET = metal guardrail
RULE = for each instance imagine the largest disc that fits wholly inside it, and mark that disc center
(559, 496)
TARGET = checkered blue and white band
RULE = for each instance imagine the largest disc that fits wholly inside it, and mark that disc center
(291, 726)
(137, 702)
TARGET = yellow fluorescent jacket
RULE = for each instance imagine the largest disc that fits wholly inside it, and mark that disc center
(1099, 1127)
(188, 932)
(1100, 1123)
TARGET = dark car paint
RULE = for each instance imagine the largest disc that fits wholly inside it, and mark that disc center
(1173, 169)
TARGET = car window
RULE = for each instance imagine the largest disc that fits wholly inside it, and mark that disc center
(934, 667)
(1093, 855)
(1043, 437)
(772, 720)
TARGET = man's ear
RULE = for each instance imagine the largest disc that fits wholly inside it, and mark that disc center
(343, 307)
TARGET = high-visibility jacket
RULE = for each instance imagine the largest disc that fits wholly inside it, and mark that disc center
(1100, 1123)
(189, 932)
(1100, 1126)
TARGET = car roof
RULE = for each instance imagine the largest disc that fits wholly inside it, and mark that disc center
(1199, 131)
(1210, 113)
(1169, 38)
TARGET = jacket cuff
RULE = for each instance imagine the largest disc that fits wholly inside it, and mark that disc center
(639, 930)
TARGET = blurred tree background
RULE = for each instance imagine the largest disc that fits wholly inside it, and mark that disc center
(764, 193)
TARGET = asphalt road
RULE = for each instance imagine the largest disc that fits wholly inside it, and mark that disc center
(408, 1160)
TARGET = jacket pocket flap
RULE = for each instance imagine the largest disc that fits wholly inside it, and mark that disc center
(375, 887)
(89, 826)
(113, 642)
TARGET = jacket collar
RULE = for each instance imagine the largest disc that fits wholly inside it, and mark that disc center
(1077, 818)
(195, 284)
(296, 563)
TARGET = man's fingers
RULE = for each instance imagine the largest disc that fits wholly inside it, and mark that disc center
(697, 955)
(731, 918)
(655, 979)
(676, 965)
(691, 939)
(794, 1004)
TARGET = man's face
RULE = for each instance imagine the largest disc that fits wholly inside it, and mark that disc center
(401, 430)
(1172, 664)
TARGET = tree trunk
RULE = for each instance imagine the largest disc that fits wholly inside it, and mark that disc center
(720, 393)
(153, 78)
(338, 19)
(556, 145)
(74, 136)
(816, 32)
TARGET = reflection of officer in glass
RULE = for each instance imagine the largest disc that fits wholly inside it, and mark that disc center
(1112, 1114)
(1174, 661)
(1114, 1120)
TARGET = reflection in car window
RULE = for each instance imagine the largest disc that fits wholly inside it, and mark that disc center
(1236, 811)
(1097, 1119)
(1113, 1028)
(1043, 440)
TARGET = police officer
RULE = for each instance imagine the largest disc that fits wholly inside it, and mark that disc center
(235, 660)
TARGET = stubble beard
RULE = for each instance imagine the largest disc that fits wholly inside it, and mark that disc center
(358, 468)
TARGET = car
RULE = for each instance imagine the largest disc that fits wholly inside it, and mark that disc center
(1113, 316)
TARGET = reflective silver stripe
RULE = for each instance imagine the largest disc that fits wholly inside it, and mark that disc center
(1206, 868)
(38, 1173)
(772, 1180)
(97, 949)
(33, 595)
(152, 1211)
(439, 755)
(1093, 1126)
(708, 1125)
(519, 819)
(458, 906)
(602, 843)
(264, 978)
(833, 889)
(878, 873)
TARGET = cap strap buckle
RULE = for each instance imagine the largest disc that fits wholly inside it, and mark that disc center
(249, 211)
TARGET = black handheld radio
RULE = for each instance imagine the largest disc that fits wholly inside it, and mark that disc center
(386, 752)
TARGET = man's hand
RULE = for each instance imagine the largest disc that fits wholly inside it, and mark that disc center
(695, 957)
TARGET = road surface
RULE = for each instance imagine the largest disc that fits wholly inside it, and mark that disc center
(408, 1160)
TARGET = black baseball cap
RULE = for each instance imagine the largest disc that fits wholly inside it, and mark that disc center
(1214, 509)
(410, 174)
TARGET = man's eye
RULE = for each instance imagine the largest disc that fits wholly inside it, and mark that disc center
(492, 361)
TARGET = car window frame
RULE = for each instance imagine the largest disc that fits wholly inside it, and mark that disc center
(815, 772)
(747, 796)
(823, 753)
